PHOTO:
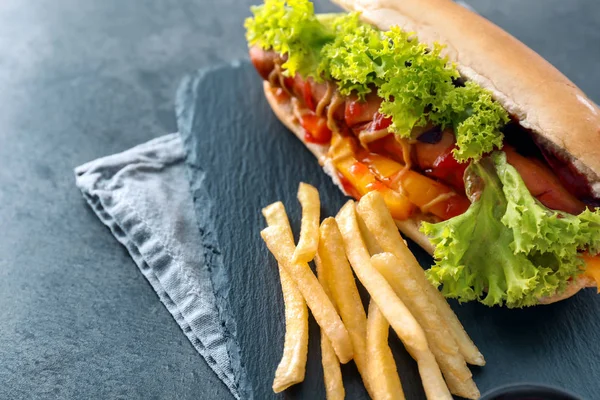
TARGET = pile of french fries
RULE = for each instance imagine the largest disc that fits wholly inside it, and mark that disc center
(363, 240)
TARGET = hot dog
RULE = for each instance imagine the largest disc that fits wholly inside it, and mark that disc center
(368, 97)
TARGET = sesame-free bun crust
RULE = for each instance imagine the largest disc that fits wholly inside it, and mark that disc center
(529, 87)
(409, 227)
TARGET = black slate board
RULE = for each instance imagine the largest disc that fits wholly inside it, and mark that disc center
(251, 160)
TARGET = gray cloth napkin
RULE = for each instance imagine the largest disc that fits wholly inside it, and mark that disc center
(143, 196)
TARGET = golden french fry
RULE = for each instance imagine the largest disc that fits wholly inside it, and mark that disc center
(275, 215)
(368, 237)
(381, 292)
(332, 373)
(344, 292)
(309, 230)
(429, 371)
(404, 324)
(379, 221)
(462, 388)
(442, 343)
(292, 367)
(385, 381)
(411, 293)
(312, 291)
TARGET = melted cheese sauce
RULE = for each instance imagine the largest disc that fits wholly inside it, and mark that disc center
(336, 102)
(439, 199)
(324, 102)
(276, 79)
(298, 110)
(365, 137)
(406, 155)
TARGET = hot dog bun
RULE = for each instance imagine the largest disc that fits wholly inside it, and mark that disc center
(410, 227)
(529, 87)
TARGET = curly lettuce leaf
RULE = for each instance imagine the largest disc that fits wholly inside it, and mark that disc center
(414, 80)
(291, 28)
(408, 75)
(476, 119)
(508, 248)
(350, 59)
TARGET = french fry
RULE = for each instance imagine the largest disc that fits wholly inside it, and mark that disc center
(442, 343)
(368, 237)
(309, 230)
(429, 371)
(344, 292)
(411, 293)
(275, 215)
(402, 321)
(463, 388)
(376, 216)
(292, 367)
(391, 306)
(332, 373)
(385, 381)
(312, 291)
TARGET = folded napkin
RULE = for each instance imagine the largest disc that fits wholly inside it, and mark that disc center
(143, 196)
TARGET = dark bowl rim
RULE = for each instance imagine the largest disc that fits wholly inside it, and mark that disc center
(529, 389)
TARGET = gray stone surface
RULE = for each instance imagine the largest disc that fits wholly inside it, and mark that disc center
(80, 79)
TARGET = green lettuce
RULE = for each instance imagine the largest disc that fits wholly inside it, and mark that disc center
(290, 29)
(476, 120)
(349, 57)
(413, 79)
(508, 248)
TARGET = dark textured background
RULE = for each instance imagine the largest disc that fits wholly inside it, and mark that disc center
(80, 79)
